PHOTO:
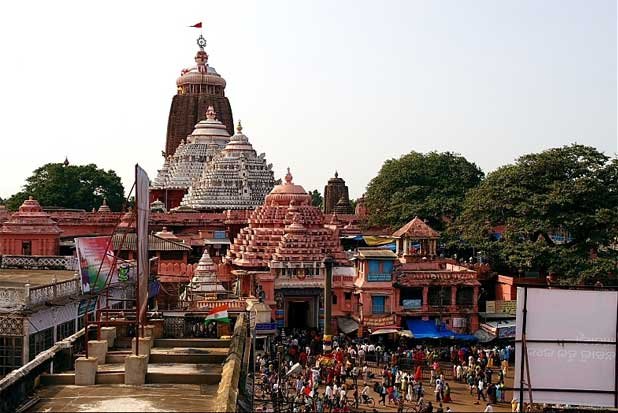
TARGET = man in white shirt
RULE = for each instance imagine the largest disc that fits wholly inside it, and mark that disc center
(488, 409)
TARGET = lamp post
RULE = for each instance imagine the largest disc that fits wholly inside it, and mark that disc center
(328, 295)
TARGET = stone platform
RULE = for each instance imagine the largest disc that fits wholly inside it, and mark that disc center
(122, 398)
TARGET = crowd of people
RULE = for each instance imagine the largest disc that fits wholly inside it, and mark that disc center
(298, 373)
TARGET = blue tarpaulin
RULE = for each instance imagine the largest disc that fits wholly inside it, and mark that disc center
(428, 329)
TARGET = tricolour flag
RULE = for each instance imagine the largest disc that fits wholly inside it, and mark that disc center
(197, 25)
(218, 314)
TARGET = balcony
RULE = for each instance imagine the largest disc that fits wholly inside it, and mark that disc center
(234, 305)
(28, 296)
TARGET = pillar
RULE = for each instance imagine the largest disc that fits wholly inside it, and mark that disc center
(425, 304)
(328, 296)
(475, 308)
(97, 349)
(85, 371)
(135, 369)
(453, 298)
(145, 344)
(109, 334)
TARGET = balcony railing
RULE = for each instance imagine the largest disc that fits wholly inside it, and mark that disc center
(39, 262)
(31, 296)
(233, 304)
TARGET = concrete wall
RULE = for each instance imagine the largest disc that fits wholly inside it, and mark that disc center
(227, 395)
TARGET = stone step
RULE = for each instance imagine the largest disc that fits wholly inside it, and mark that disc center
(187, 356)
(192, 342)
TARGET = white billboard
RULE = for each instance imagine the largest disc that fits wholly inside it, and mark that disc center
(571, 346)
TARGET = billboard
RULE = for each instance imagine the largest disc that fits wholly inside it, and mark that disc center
(95, 253)
(570, 340)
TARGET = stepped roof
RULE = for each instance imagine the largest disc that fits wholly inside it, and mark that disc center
(191, 157)
(417, 229)
(30, 219)
(287, 228)
(236, 178)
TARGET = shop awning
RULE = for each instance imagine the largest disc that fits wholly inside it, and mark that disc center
(347, 325)
(385, 331)
(428, 329)
(483, 336)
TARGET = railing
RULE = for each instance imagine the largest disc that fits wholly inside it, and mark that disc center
(233, 305)
(18, 386)
(49, 262)
(31, 296)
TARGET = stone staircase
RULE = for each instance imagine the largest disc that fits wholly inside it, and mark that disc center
(171, 361)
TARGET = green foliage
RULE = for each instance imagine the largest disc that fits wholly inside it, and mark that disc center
(431, 186)
(316, 198)
(572, 190)
(71, 186)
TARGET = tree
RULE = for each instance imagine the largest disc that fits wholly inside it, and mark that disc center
(316, 198)
(558, 212)
(71, 186)
(431, 186)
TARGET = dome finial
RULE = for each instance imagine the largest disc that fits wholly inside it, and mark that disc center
(288, 176)
(66, 161)
(210, 113)
(336, 174)
(239, 127)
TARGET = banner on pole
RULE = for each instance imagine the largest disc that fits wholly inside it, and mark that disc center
(94, 253)
(142, 184)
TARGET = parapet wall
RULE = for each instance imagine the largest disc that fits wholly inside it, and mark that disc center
(227, 395)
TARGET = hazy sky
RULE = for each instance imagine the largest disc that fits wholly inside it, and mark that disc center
(318, 85)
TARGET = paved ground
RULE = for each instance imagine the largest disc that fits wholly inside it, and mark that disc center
(462, 400)
(122, 398)
(169, 368)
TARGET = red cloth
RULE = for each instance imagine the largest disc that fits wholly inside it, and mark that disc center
(419, 374)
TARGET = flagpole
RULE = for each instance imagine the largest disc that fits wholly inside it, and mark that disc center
(137, 291)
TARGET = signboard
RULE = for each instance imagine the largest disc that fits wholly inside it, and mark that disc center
(379, 277)
(96, 262)
(501, 307)
(266, 328)
(412, 304)
(81, 310)
(571, 344)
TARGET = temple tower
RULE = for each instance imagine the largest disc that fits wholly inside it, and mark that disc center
(336, 196)
(198, 88)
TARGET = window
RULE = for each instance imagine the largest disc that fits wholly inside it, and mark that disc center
(26, 248)
(219, 235)
(347, 296)
(439, 296)
(380, 271)
(465, 296)
(334, 298)
(411, 298)
(65, 330)
(378, 304)
(40, 341)
(10, 354)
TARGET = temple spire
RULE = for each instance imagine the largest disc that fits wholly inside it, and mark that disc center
(288, 176)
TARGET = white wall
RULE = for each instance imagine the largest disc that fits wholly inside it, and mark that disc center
(554, 314)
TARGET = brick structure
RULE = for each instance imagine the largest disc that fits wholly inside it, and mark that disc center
(30, 231)
(336, 197)
(198, 88)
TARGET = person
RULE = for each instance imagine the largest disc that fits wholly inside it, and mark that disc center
(383, 394)
(479, 392)
(448, 409)
(447, 393)
(365, 393)
(355, 395)
(488, 408)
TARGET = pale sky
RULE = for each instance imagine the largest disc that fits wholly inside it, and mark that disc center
(319, 85)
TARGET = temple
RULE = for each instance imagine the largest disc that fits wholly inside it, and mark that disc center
(336, 197)
(198, 88)
(236, 178)
(281, 252)
(189, 160)
(30, 231)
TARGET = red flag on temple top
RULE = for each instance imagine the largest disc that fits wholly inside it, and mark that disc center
(197, 25)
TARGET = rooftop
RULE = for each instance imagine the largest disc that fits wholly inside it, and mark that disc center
(20, 277)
